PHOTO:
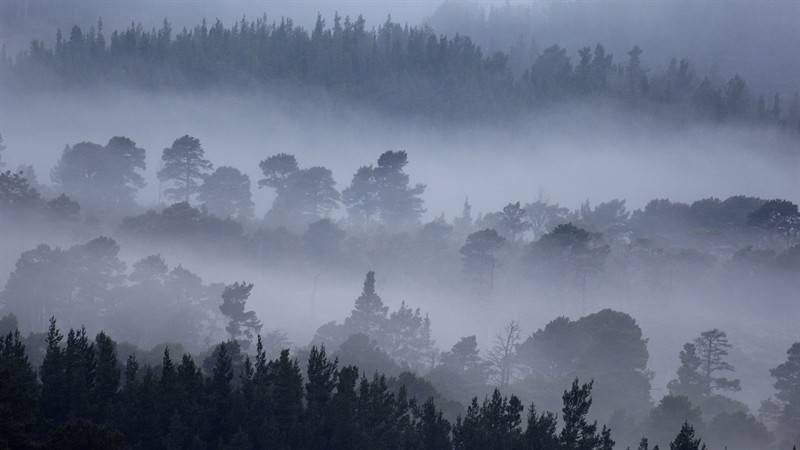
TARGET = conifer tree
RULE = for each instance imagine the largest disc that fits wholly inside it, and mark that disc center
(540, 432)
(242, 324)
(321, 376)
(19, 394)
(577, 433)
(685, 440)
(107, 378)
(184, 166)
(369, 314)
(288, 400)
(53, 376)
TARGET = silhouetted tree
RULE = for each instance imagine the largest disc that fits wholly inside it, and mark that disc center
(478, 256)
(503, 355)
(241, 323)
(690, 382)
(685, 439)
(184, 166)
(19, 394)
(712, 348)
(667, 417)
(369, 314)
(303, 196)
(101, 177)
(383, 191)
(226, 193)
(577, 432)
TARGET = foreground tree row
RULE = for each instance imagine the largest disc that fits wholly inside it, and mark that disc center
(83, 397)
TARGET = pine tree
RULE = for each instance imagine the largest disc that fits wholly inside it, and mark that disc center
(53, 376)
(288, 400)
(346, 430)
(432, 428)
(242, 324)
(369, 314)
(540, 432)
(19, 393)
(712, 348)
(107, 378)
(218, 425)
(689, 382)
(80, 365)
(322, 379)
(577, 433)
(184, 165)
(685, 440)
(167, 389)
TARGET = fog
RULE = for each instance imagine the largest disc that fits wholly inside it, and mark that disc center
(568, 154)
(647, 221)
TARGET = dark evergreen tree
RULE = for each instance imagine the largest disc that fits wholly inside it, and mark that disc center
(19, 394)
(287, 397)
(577, 433)
(322, 376)
(107, 379)
(685, 440)
(80, 364)
(53, 376)
(667, 417)
(540, 432)
(218, 425)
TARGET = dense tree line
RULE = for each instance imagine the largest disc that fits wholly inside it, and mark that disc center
(396, 68)
(83, 396)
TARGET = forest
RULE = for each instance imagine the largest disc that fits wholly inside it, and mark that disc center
(432, 397)
(342, 234)
(395, 68)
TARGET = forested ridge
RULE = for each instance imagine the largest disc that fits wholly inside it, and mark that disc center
(205, 283)
(400, 69)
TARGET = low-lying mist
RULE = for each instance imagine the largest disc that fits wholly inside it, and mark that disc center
(569, 154)
(592, 151)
